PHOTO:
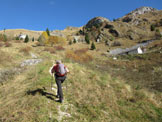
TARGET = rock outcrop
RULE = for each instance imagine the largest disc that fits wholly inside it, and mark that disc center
(132, 16)
(97, 21)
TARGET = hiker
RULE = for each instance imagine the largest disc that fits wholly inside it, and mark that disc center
(60, 71)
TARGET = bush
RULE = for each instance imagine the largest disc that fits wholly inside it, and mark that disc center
(116, 43)
(33, 39)
(74, 41)
(158, 34)
(157, 30)
(3, 37)
(17, 38)
(111, 38)
(56, 40)
(152, 27)
(26, 50)
(7, 44)
(59, 48)
(1, 44)
(81, 56)
(43, 38)
(70, 42)
(50, 49)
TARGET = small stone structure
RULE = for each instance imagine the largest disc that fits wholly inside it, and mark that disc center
(22, 36)
(132, 50)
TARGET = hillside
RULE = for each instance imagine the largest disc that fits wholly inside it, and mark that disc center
(99, 87)
(16, 32)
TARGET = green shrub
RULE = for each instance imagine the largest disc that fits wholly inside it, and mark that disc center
(47, 30)
(17, 38)
(33, 39)
(74, 41)
(158, 34)
(152, 27)
(111, 38)
(70, 42)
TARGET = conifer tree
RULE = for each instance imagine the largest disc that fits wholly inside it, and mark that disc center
(33, 39)
(87, 39)
(47, 30)
(93, 47)
(26, 39)
(74, 41)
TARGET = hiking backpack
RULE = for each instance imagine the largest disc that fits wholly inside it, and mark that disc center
(61, 69)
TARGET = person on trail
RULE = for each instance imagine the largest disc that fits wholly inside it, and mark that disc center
(60, 71)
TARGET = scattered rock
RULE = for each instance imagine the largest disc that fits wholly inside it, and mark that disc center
(115, 58)
(57, 33)
(30, 62)
(33, 55)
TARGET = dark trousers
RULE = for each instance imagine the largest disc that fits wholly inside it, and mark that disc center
(59, 81)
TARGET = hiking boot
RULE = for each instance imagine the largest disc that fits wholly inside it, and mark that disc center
(60, 101)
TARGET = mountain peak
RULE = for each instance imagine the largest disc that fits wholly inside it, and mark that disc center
(142, 10)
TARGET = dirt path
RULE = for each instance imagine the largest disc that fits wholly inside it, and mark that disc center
(62, 108)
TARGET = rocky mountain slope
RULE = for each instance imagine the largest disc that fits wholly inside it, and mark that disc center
(133, 27)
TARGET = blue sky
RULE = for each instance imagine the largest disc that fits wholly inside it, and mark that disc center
(58, 14)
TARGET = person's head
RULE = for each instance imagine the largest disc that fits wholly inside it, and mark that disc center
(58, 61)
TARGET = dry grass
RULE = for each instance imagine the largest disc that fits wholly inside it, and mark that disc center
(39, 44)
(26, 50)
(98, 96)
(5, 58)
(17, 41)
(59, 48)
(1, 44)
(81, 55)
